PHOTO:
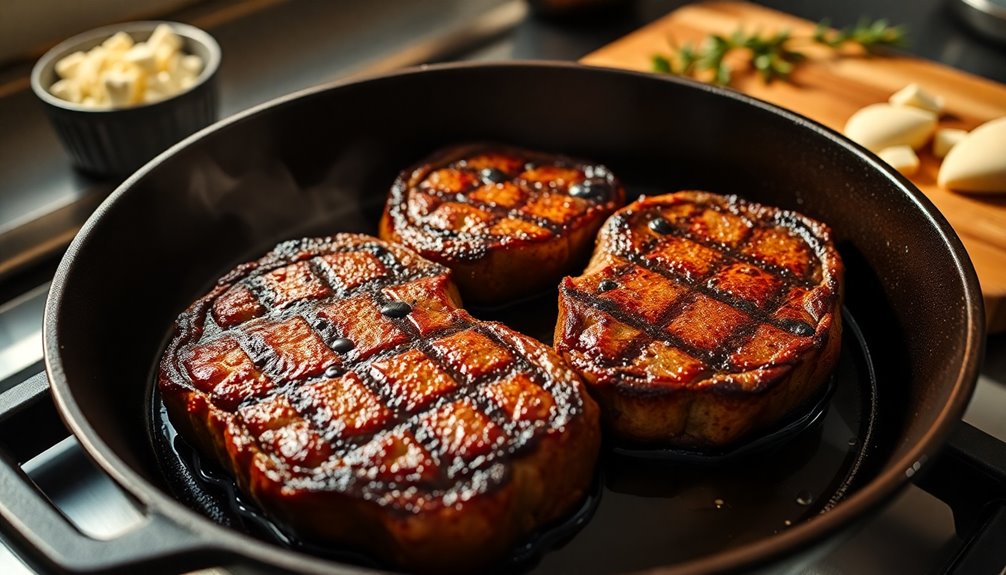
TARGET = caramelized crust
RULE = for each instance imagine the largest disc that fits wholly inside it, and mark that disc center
(702, 319)
(508, 222)
(341, 384)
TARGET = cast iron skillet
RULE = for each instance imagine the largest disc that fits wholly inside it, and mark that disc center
(316, 162)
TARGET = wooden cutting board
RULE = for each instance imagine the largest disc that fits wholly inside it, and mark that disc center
(829, 88)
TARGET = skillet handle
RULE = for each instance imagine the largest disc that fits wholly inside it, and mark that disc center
(969, 475)
(46, 539)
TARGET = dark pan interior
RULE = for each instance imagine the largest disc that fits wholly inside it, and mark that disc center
(328, 156)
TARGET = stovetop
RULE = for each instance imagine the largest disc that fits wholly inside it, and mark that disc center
(280, 47)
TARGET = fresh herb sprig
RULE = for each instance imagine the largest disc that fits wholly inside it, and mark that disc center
(774, 56)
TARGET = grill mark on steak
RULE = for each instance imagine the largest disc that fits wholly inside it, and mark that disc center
(498, 211)
(462, 478)
(702, 318)
(381, 389)
(490, 212)
(626, 250)
(420, 235)
(653, 331)
(264, 356)
(717, 358)
(622, 221)
(759, 315)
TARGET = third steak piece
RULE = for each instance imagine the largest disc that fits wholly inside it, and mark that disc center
(703, 319)
(509, 222)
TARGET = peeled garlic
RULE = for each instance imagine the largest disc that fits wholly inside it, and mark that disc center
(913, 95)
(901, 158)
(945, 139)
(880, 126)
(978, 162)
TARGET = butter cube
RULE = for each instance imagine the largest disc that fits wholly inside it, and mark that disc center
(151, 95)
(166, 58)
(91, 68)
(120, 72)
(118, 42)
(913, 95)
(68, 66)
(123, 87)
(142, 56)
(98, 97)
(115, 65)
(68, 90)
(96, 90)
(163, 35)
(162, 82)
(190, 65)
(945, 139)
(901, 158)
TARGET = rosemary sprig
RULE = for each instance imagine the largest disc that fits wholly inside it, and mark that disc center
(773, 56)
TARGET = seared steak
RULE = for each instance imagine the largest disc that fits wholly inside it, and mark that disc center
(508, 222)
(348, 394)
(702, 319)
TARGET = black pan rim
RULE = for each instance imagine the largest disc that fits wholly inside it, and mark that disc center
(879, 490)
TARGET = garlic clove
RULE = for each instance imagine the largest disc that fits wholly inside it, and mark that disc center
(978, 162)
(880, 126)
(945, 139)
(913, 95)
(901, 158)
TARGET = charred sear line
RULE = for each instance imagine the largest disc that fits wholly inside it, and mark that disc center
(265, 296)
(700, 286)
(654, 331)
(498, 213)
(478, 399)
(401, 416)
(267, 360)
(325, 273)
(723, 352)
(537, 375)
(729, 254)
(460, 160)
